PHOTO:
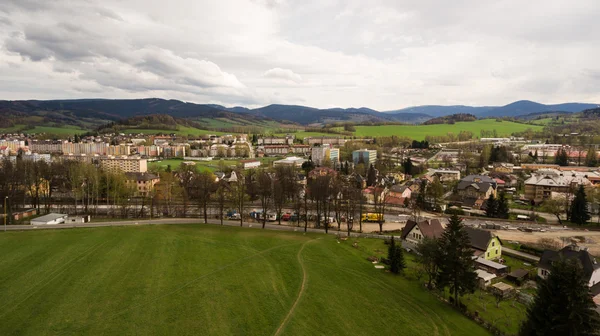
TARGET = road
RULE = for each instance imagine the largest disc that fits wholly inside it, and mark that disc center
(367, 227)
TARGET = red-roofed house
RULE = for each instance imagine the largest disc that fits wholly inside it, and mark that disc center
(414, 232)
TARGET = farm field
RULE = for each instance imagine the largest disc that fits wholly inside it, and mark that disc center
(63, 130)
(418, 132)
(207, 280)
(181, 130)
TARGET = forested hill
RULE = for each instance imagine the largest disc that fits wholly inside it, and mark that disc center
(451, 119)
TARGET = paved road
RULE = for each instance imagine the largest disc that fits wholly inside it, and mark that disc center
(168, 221)
(527, 256)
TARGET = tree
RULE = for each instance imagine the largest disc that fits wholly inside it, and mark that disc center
(265, 191)
(555, 206)
(484, 157)
(371, 176)
(380, 200)
(238, 195)
(591, 158)
(455, 260)
(427, 251)
(203, 185)
(407, 166)
(491, 209)
(579, 207)
(562, 157)
(502, 206)
(222, 190)
(435, 192)
(396, 257)
(563, 304)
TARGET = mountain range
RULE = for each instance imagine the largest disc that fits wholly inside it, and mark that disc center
(97, 110)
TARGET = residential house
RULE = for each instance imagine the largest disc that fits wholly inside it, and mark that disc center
(400, 191)
(503, 167)
(544, 182)
(142, 182)
(476, 186)
(249, 164)
(444, 175)
(591, 268)
(414, 232)
(484, 243)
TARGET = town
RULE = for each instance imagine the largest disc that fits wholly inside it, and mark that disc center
(522, 202)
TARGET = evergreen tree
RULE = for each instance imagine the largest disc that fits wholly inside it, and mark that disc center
(455, 260)
(407, 166)
(491, 209)
(579, 208)
(502, 206)
(396, 257)
(591, 158)
(371, 176)
(563, 304)
(535, 156)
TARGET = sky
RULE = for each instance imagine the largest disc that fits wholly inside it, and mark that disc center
(382, 54)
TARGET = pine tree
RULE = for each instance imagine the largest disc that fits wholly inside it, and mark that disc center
(407, 166)
(502, 206)
(563, 304)
(455, 260)
(396, 257)
(579, 208)
(371, 176)
(491, 209)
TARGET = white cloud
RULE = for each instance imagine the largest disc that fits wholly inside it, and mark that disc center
(283, 74)
(384, 54)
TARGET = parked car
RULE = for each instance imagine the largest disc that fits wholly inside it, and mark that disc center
(286, 216)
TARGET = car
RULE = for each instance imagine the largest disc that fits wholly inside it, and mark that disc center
(286, 216)
(235, 216)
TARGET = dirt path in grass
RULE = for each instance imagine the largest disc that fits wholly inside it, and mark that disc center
(300, 293)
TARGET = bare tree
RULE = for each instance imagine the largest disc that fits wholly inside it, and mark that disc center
(239, 196)
(265, 192)
(203, 185)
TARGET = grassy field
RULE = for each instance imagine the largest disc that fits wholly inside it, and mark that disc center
(181, 130)
(63, 130)
(213, 165)
(206, 280)
(418, 132)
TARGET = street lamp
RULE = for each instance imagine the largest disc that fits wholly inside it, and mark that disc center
(5, 199)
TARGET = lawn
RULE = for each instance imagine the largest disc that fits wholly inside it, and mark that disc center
(213, 165)
(418, 132)
(206, 280)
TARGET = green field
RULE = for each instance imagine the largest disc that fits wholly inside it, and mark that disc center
(418, 132)
(63, 130)
(213, 165)
(206, 280)
(181, 130)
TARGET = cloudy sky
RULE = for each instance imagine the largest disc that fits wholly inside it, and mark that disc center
(384, 54)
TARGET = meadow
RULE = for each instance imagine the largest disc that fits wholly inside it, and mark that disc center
(207, 280)
(212, 166)
(418, 132)
(67, 130)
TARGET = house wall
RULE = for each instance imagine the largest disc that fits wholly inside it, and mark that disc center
(494, 249)
(543, 273)
(595, 278)
(415, 235)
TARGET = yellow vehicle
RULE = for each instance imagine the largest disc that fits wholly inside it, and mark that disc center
(372, 217)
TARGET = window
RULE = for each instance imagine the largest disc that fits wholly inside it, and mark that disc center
(488, 254)
(493, 244)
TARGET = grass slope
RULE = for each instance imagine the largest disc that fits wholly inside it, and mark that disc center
(206, 280)
(419, 132)
(62, 130)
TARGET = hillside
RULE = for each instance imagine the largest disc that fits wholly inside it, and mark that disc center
(451, 119)
(514, 109)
